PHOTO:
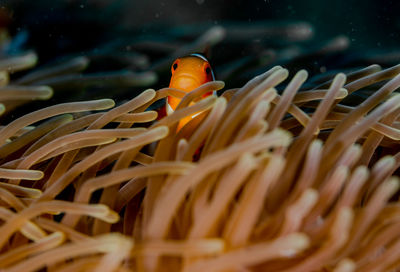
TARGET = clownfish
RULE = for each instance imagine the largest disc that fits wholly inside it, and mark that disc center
(187, 74)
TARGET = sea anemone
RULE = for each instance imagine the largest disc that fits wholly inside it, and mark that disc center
(296, 181)
(13, 95)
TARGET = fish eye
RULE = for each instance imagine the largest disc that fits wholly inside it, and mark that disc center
(208, 70)
(174, 66)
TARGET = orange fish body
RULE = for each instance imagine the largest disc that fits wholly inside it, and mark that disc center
(188, 73)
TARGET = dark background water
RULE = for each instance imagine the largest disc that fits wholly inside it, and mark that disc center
(57, 27)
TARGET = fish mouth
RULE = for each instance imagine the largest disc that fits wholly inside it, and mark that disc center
(185, 82)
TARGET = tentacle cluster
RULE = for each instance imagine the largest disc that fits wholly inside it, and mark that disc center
(258, 180)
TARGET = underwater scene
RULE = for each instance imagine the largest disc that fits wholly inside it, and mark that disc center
(199, 135)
